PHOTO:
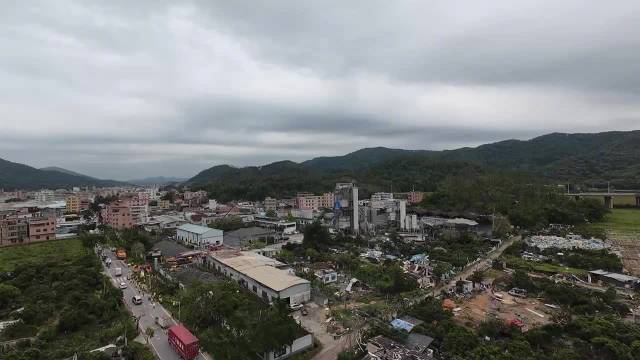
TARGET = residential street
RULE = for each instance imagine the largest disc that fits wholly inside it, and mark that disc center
(146, 312)
(481, 265)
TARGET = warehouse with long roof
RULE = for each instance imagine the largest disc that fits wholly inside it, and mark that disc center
(265, 277)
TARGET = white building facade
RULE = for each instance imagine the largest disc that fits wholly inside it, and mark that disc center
(267, 278)
(199, 235)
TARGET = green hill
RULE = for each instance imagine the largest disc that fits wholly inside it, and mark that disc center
(587, 159)
(20, 176)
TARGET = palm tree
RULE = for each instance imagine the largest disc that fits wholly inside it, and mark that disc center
(148, 334)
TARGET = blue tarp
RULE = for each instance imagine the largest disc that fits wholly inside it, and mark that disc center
(402, 325)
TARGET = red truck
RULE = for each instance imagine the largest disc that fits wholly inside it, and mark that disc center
(183, 342)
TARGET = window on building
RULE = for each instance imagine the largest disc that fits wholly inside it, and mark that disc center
(280, 352)
(255, 289)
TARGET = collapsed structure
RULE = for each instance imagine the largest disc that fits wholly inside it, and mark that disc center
(570, 242)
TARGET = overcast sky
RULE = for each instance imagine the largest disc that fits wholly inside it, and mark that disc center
(127, 89)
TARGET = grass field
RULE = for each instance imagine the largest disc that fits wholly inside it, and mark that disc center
(626, 221)
(622, 227)
(60, 250)
(515, 262)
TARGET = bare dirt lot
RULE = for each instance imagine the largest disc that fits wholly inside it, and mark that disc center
(531, 312)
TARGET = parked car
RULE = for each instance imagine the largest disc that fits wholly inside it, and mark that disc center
(137, 300)
(296, 307)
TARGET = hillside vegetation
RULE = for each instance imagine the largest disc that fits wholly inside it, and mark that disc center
(585, 160)
(19, 176)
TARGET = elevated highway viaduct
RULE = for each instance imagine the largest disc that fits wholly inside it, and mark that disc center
(609, 198)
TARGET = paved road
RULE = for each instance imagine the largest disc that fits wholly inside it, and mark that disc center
(481, 265)
(146, 312)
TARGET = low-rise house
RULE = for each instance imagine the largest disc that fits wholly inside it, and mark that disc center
(326, 276)
(464, 286)
(199, 236)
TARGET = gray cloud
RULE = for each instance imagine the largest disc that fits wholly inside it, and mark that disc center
(125, 89)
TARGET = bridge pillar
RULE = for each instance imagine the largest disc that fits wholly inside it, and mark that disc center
(608, 202)
(637, 200)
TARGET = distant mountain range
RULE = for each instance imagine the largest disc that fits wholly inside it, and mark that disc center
(579, 158)
(156, 180)
(20, 176)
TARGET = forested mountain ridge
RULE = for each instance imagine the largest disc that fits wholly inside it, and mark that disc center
(19, 176)
(591, 159)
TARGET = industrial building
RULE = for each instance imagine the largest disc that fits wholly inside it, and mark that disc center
(246, 236)
(265, 277)
(383, 211)
(199, 236)
(346, 214)
(615, 279)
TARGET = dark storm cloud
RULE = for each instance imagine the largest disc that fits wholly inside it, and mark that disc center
(126, 89)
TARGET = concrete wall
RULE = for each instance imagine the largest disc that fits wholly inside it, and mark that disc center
(300, 344)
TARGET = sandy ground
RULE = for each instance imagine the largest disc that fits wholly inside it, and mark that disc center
(531, 312)
(628, 246)
(315, 323)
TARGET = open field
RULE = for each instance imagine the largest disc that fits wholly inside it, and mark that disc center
(515, 262)
(58, 250)
(622, 227)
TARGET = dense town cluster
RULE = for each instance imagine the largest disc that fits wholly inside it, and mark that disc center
(342, 276)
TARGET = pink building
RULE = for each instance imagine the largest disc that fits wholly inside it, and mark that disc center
(309, 201)
(328, 200)
(118, 215)
(189, 195)
(42, 228)
(415, 197)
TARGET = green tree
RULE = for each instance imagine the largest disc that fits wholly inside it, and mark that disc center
(138, 250)
(8, 295)
(271, 213)
(441, 268)
(459, 342)
(316, 236)
(477, 277)
(148, 334)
